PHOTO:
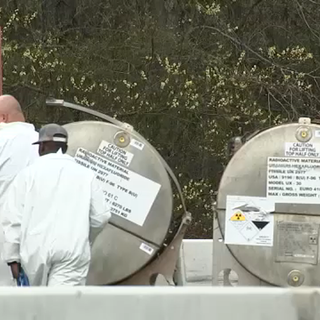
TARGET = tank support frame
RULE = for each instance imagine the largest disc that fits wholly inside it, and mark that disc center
(161, 270)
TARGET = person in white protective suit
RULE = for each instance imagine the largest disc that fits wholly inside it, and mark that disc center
(16, 153)
(51, 206)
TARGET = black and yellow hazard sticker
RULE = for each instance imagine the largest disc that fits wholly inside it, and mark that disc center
(238, 216)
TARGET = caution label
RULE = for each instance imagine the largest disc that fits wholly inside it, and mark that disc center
(299, 149)
(238, 216)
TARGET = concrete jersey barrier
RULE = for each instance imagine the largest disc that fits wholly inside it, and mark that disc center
(158, 303)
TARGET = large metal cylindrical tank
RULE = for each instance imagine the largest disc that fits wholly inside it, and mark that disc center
(268, 205)
(138, 189)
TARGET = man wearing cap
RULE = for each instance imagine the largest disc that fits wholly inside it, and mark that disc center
(16, 153)
(51, 206)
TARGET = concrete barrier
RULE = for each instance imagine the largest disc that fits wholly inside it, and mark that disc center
(194, 267)
(159, 303)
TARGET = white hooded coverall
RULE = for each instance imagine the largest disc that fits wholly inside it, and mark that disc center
(16, 153)
(51, 206)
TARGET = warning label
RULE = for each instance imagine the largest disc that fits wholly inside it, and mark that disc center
(298, 149)
(129, 194)
(293, 180)
(238, 220)
(238, 216)
(248, 221)
(115, 153)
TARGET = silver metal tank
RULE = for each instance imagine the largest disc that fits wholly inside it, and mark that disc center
(268, 205)
(138, 189)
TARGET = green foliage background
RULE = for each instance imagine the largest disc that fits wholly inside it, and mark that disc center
(187, 74)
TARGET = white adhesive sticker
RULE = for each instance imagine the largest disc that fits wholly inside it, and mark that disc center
(248, 221)
(115, 153)
(299, 149)
(129, 194)
(137, 144)
(317, 133)
(147, 249)
(293, 180)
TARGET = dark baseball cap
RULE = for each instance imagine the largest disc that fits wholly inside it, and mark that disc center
(52, 132)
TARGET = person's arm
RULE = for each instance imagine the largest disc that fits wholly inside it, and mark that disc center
(11, 223)
(99, 209)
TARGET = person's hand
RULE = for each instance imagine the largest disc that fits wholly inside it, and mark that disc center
(15, 269)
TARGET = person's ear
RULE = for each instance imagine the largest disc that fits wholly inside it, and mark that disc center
(4, 118)
(41, 149)
(65, 148)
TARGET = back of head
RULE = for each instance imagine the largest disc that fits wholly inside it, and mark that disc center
(10, 110)
(52, 138)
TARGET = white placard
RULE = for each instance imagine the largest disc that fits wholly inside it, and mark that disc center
(293, 180)
(137, 144)
(248, 221)
(115, 153)
(299, 149)
(147, 249)
(129, 194)
(317, 133)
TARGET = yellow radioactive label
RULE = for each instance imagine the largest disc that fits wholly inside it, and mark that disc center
(238, 216)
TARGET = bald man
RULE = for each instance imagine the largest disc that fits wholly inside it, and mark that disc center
(16, 153)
